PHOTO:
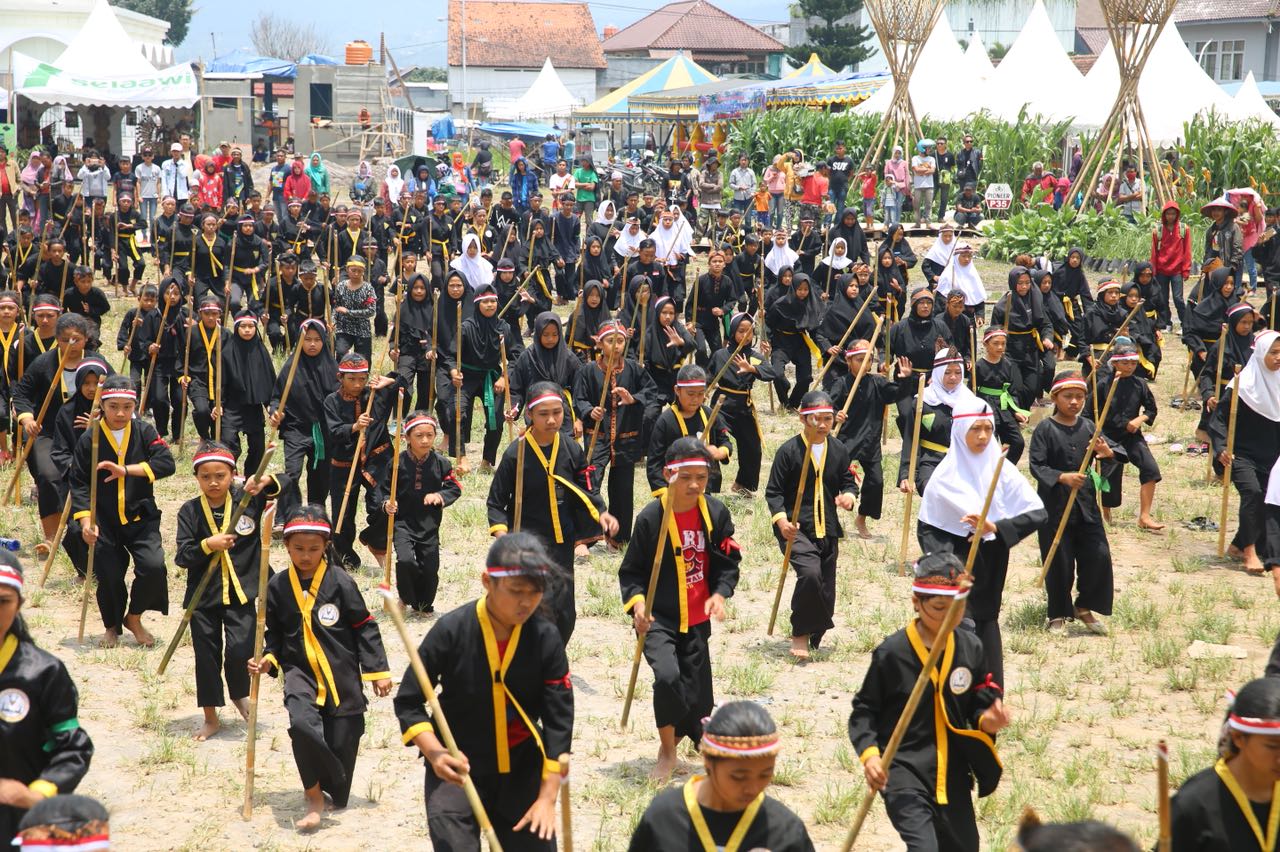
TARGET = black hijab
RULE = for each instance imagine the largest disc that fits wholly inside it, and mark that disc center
(595, 268)
(589, 318)
(483, 336)
(555, 364)
(317, 377)
(1070, 282)
(1212, 307)
(250, 373)
(447, 321)
(805, 313)
(415, 316)
(657, 350)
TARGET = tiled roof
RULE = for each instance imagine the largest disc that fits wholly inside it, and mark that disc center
(523, 35)
(1224, 10)
(692, 25)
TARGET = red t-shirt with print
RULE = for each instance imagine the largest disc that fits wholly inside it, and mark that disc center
(693, 541)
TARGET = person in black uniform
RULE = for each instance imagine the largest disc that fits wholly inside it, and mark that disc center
(204, 359)
(68, 426)
(43, 750)
(927, 790)
(946, 389)
(738, 410)
(249, 264)
(793, 319)
(226, 610)
(815, 535)
(484, 334)
(999, 382)
(698, 573)
(1133, 406)
(128, 260)
(685, 416)
(306, 301)
(321, 636)
(131, 458)
(715, 295)
(1020, 312)
(301, 422)
(546, 359)
(277, 288)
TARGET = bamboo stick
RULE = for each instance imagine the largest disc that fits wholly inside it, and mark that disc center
(911, 478)
(265, 525)
(95, 439)
(795, 520)
(1226, 468)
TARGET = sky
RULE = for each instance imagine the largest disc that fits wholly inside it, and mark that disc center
(416, 39)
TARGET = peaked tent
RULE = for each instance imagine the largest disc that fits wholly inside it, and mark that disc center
(810, 70)
(1249, 103)
(676, 73)
(1036, 73)
(979, 60)
(546, 97)
(941, 84)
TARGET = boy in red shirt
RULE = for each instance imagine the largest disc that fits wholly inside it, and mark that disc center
(867, 177)
(693, 584)
(1171, 259)
(815, 186)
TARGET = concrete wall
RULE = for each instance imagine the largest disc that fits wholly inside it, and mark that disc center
(1259, 44)
(354, 87)
(484, 82)
(232, 124)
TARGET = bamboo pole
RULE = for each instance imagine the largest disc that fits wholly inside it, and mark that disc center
(95, 438)
(566, 809)
(911, 478)
(265, 525)
(56, 540)
(659, 548)
(817, 380)
(795, 520)
(459, 448)
(1226, 468)
(518, 498)
(389, 559)
(1217, 390)
(862, 368)
(1164, 842)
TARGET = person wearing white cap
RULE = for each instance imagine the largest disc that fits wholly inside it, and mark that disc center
(175, 175)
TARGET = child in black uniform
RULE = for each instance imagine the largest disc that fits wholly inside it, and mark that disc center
(1000, 385)
(684, 417)
(321, 636)
(738, 410)
(483, 336)
(816, 534)
(227, 606)
(508, 698)
(301, 422)
(143, 323)
(204, 359)
(131, 458)
(246, 389)
(927, 788)
(426, 485)
(1133, 406)
(698, 573)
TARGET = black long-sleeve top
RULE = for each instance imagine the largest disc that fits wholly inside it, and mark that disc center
(915, 338)
(560, 468)
(1133, 396)
(40, 373)
(670, 426)
(833, 476)
(1257, 438)
(935, 438)
(145, 335)
(860, 432)
(711, 293)
(129, 499)
(340, 416)
(92, 304)
(621, 429)
(306, 304)
(1057, 449)
(479, 684)
(432, 474)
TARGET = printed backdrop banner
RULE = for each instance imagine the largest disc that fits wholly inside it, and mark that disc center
(45, 83)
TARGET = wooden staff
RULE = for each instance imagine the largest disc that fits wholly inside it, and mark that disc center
(805, 464)
(95, 437)
(151, 367)
(831, 359)
(459, 448)
(949, 622)
(506, 390)
(56, 540)
(217, 385)
(395, 481)
(609, 375)
(288, 382)
(1226, 468)
(360, 442)
(11, 493)
(1071, 498)
(862, 369)
(973, 374)
(566, 810)
(265, 525)
(1186, 380)
(1217, 389)
(644, 318)
(226, 285)
(690, 356)
(659, 548)
(577, 311)
(888, 361)
(192, 319)
(438, 719)
(711, 420)
(911, 478)
(1164, 842)
(518, 499)
(760, 321)
(284, 319)
(240, 508)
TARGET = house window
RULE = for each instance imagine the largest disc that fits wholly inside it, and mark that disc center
(222, 103)
(1231, 60)
(321, 100)
(1207, 53)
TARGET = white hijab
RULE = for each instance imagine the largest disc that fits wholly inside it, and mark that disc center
(958, 486)
(601, 218)
(780, 257)
(628, 244)
(477, 270)
(965, 278)
(1260, 387)
(395, 183)
(935, 394)
(838, 262)
(940, 252)
(672, 241)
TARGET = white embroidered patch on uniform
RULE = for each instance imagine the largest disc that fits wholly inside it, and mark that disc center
(14, 706)
(961, 679)
(328, 615)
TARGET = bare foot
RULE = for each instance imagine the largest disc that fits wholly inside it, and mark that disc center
(861, 525)
(1106, 515)
(800, 647)
(110, 638)
(1148, 523)
(1235, 553)
(1254, 567)
(43, 548)
(133, 623)
(315, 810)
(242, 705)
(463, 467)
(665, 766)
(210, 727)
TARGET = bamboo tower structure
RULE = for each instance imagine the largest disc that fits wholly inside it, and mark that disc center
(903, 27)
(1134, 26)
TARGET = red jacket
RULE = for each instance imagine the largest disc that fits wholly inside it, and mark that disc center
(1046, 181)
(1171, 247)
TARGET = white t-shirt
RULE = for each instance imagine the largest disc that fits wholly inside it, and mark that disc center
(561, 183)
(919, 181)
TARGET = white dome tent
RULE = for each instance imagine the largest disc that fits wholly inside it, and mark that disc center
(1035, 73)
(1249, 103)
(979, 61)
(942, 84)
(546, 98)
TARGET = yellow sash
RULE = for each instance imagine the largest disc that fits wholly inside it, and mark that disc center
(120, 450)
(501, 694)
(1267, 843)
(230, 580)
(315, 652)
(700, 822)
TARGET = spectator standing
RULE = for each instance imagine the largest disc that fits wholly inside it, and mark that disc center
(895, 186)
(175, 175)
(562, 186)
(524, 184)
(775, 181)
(742, 182)
(550, 150)
(1129, 194)
(8, 191)
(237, 180)
(793, 190)
(816, 186)
(923, 167)
(515, 148)
(841, 170)
(1038, 179)
(279, 174)
(968, 162)
(944, 177)
(585, 180)
(867, 182)
(710, 193)
(569, 147)
(148, 174)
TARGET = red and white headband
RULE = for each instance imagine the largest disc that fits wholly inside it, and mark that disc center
(1069, 382)
(13, 300)
(312, 323)
(543, 397)
(421, 420)
(1131, 356)
(822, 408)
(1243, 307)
(856, 351)
(361, 366)
(484, 297)
(252, 320)
(692, 383)
(46, 309)
(213, 456)
(500, 571)
(739, 747)
(307, 525)
(1109, 285)
(1246, 724)
(120, 393)
(984, 413)
(920, 587)
(994, 332)
(11, 577)
(944, 361)
(694, 461)
(612, 327)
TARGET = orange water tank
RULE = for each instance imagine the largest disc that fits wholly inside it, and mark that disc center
(359, 52)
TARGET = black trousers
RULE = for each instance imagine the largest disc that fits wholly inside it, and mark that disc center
(150, 588)
(708, 337)
(249, 420)
(473, 390)
(209, 626)
(791, 348)
(299, 453)
(416, 371)
(201, 408)
(349, 342)
(990, 570)
(813, 601)
(451, 824)
(1009, 432)
(325, 746)
(871, 496)
(926, 826)
(45, 473)
(1083, 560)
(619, 477)
(682, 685)
(1255, 525)
(417, 568)
(1139, 455)
(75, 548)
(743, 426)
(344, 536)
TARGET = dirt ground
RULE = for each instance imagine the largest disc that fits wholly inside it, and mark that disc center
(1087, 710)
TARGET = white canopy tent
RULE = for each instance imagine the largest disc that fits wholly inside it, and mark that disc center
(1035, 73)
(547, 97)
(1173, 89)
(943, 86)
(979, 62)
(1249, 103)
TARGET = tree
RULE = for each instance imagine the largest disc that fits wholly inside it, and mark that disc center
(833, 33)
(284, 38)
(427, 75)
(176, 12)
